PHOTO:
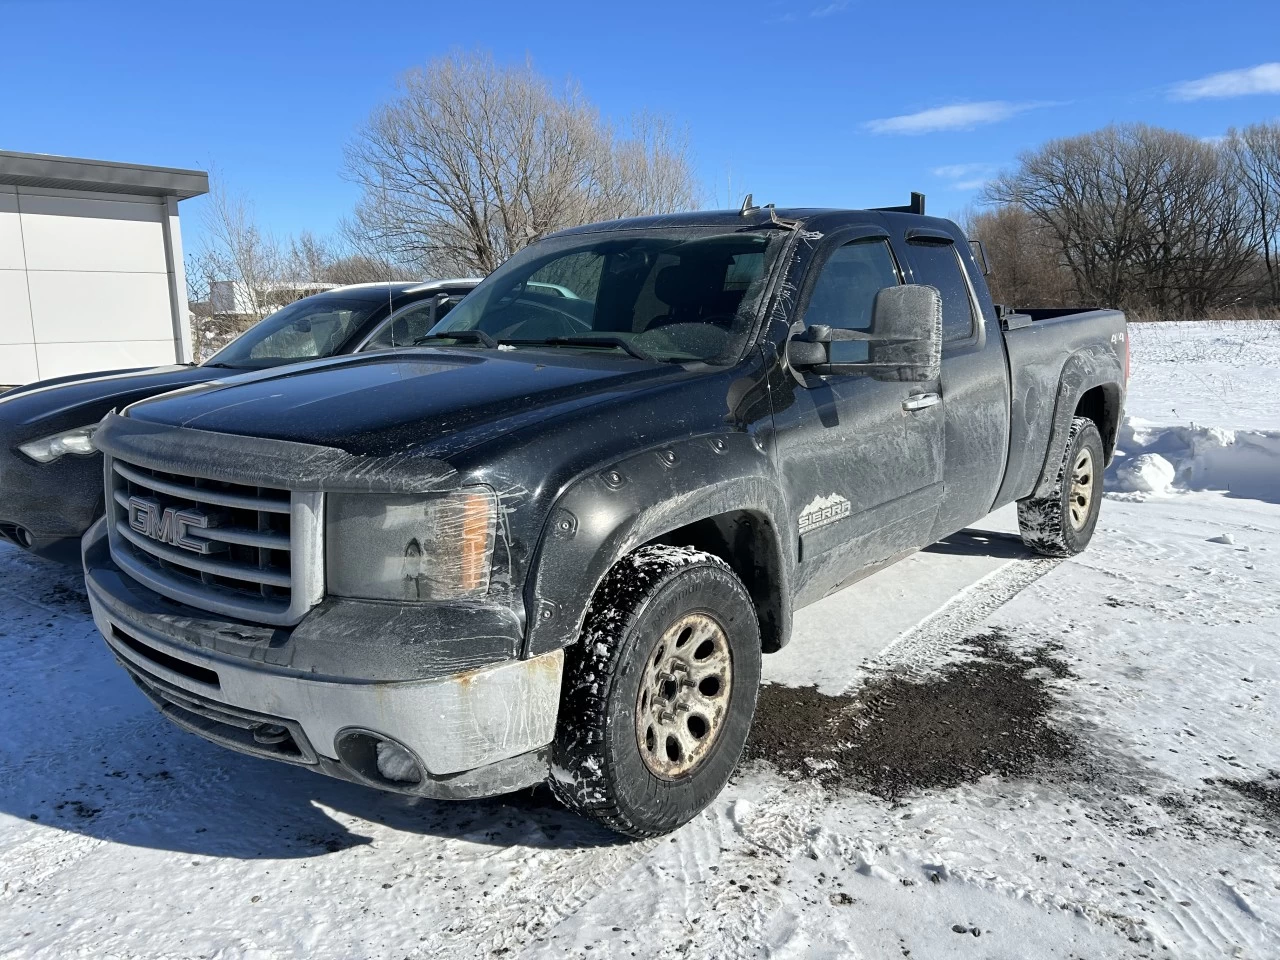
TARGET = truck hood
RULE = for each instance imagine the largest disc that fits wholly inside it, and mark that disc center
(386, 403)
(84, 399)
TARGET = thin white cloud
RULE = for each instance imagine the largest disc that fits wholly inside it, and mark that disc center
(957, 171)
(815, 13)
(1264, 78)
(965, 176)
(957, 116)
(828, 9)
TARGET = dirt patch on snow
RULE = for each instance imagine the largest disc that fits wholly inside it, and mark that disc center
(1264, 792)
(70, 596)
(900, 734)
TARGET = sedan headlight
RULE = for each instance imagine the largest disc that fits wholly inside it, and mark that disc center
(78, 441)
(410, 547)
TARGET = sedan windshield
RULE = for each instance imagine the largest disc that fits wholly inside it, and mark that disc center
(310, 328)
(670, 295)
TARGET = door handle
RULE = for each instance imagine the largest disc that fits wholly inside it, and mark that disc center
(920, 401)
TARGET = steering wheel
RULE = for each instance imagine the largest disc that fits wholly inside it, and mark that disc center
(703, 340)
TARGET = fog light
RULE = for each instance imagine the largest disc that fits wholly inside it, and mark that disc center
(396, 763)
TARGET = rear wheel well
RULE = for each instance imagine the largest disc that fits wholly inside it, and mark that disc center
(1102, 405)
(745, 541)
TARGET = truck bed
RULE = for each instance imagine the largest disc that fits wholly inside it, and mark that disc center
(1051, 351)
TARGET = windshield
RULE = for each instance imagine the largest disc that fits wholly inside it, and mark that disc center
(311, 327)
(676, 295)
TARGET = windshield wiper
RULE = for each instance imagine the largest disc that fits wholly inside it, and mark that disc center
(469, 336)
(617, 342)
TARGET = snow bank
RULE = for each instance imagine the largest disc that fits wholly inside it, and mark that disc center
(1148, 473)
(1160, 460)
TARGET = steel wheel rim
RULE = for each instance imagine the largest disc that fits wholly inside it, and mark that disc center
(684, 696)
(1081, 496)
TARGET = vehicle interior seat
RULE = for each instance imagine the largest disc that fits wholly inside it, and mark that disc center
(693, 291)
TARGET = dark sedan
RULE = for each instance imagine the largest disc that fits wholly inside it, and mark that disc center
(50, 475)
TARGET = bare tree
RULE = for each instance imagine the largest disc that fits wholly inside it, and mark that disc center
(308, 257)
(1256, 153)
(1025, 260)
(234, 249)
(1142, 217)
(1201, 246)
(472, 161)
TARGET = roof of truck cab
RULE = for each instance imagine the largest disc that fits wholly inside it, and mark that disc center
(826, 217)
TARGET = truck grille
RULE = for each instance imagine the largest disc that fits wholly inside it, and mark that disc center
(217, 545)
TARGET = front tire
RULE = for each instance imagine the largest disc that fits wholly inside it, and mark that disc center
(659, 692)
(1062, 523)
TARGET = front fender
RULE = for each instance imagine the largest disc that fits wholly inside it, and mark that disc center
(607, 513)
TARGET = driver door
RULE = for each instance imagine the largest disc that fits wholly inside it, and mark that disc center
(862, 459)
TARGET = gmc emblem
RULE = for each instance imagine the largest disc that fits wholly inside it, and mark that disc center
(170, 525)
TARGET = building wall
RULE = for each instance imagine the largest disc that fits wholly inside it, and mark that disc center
(88, 282)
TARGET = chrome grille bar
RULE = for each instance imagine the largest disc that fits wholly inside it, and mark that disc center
(241, 535)
(231, 571)
(206, 495)
(249, 565)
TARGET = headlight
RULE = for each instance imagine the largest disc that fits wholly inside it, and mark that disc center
(410, 547)
(78, 441)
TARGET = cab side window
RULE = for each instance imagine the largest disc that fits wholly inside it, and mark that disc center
(845, 292)
(938, 264)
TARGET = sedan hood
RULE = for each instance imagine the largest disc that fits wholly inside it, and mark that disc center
(86, 398)
(387, 403)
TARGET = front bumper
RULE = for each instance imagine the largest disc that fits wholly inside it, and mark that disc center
(477, 732)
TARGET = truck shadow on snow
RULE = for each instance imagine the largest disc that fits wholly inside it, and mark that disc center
(90, 755)
(155, 786)
(982, 543)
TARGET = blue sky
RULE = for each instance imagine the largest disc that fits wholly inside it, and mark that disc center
(819, 102)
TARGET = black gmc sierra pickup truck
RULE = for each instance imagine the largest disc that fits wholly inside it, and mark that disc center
(553, 541)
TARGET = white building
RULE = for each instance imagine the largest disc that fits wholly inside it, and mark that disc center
(91, 274)
(235, 298)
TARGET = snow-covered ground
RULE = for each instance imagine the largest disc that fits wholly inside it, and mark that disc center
(1216, 373)
(1017, 758)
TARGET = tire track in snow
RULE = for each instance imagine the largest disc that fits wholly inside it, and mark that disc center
(968, 610)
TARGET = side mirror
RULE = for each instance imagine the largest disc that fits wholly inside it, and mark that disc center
(904, 343)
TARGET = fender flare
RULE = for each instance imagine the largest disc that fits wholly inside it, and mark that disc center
(1089, 367)
(608, 512)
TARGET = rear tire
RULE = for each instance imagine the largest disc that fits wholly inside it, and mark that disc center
(659, 692)
(1061, 524)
